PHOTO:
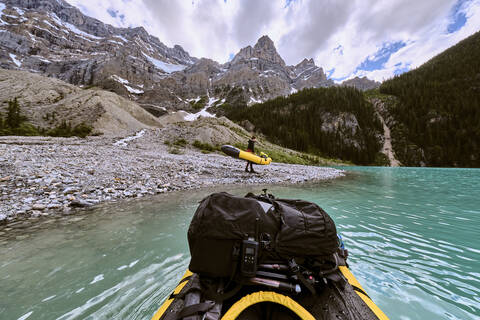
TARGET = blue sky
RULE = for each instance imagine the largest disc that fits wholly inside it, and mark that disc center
(348, 38)
(458, 17)
(378, 60)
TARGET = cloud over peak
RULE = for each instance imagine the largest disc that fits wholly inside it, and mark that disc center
(374, 38)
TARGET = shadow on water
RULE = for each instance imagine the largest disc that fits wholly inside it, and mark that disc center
(412, 234)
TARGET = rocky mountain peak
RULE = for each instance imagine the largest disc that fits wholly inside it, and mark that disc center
(264, 42)
(306, 63)
(54, 38)
(138, 31)
(178, 47)
(264, 49)
(361, 83)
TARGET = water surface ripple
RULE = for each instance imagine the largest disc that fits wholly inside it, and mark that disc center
(412, 234)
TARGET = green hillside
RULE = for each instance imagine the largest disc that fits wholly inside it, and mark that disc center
(333, 122)
(437, 118)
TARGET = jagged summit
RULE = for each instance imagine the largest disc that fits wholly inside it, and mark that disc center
(264, 49)
(265, 42)
(361, 83)
(305, 63)
(54, 38)
(303, 66)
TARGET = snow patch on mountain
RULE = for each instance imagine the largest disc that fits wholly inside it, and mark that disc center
(119, 79)
(79, 32)
(14, 59)
(126, 84)
(72, 28)
(167, 67)
(123, 142)
(49, 24)
(203, 112)
(55, 18)
(19, 11)
(116, 42)
(253, 100)
(2, 7)
(133, 90)
(120, 37)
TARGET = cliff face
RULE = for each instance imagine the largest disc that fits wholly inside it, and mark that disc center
(54, 38)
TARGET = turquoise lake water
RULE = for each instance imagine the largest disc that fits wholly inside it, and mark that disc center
(413, 236)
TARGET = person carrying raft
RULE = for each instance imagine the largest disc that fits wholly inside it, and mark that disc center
(251, 149)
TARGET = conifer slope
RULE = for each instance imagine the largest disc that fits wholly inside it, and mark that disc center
(437, 116)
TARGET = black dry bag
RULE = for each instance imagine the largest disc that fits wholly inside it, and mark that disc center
(222, 222)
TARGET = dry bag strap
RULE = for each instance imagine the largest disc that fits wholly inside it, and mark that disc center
(193, 285)
(294, 267)
(219, 297)
(195, 309)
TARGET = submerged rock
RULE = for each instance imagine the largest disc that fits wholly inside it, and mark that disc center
(78, 203)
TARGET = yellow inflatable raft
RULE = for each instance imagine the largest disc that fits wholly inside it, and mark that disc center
(355, 303)
(244, 155)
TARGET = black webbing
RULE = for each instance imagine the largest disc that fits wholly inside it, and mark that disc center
(219, 297)
(305, 282)
(195, 309)
(361, 291)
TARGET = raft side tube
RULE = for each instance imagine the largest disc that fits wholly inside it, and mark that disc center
(244, 155)
(303, 311)
(231, 151)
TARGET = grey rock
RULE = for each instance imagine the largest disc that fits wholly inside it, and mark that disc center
(54, 205)
(39, 206)
(247, 125)
(36, 214)
(71, 190)
(158, 172)
(80, 203)
(28, 200)
(128, 194)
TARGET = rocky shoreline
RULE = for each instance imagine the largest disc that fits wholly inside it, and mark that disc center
(44, 175)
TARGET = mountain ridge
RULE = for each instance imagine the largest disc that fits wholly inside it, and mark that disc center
(435, 116)
(54, 38)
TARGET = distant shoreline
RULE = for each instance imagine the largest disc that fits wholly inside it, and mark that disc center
(40, 176)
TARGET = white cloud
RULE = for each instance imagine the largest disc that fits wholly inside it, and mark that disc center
(304, 28)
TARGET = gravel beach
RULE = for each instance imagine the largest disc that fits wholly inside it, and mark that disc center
(43, 175)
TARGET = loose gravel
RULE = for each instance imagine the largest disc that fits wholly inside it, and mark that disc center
(43, 175)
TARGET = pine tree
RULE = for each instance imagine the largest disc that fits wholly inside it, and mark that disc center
(14, 118)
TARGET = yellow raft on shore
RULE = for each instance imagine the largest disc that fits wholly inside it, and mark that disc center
(244, 155)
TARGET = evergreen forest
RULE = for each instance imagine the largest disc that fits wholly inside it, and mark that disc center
(331, 122)
(437, 116)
